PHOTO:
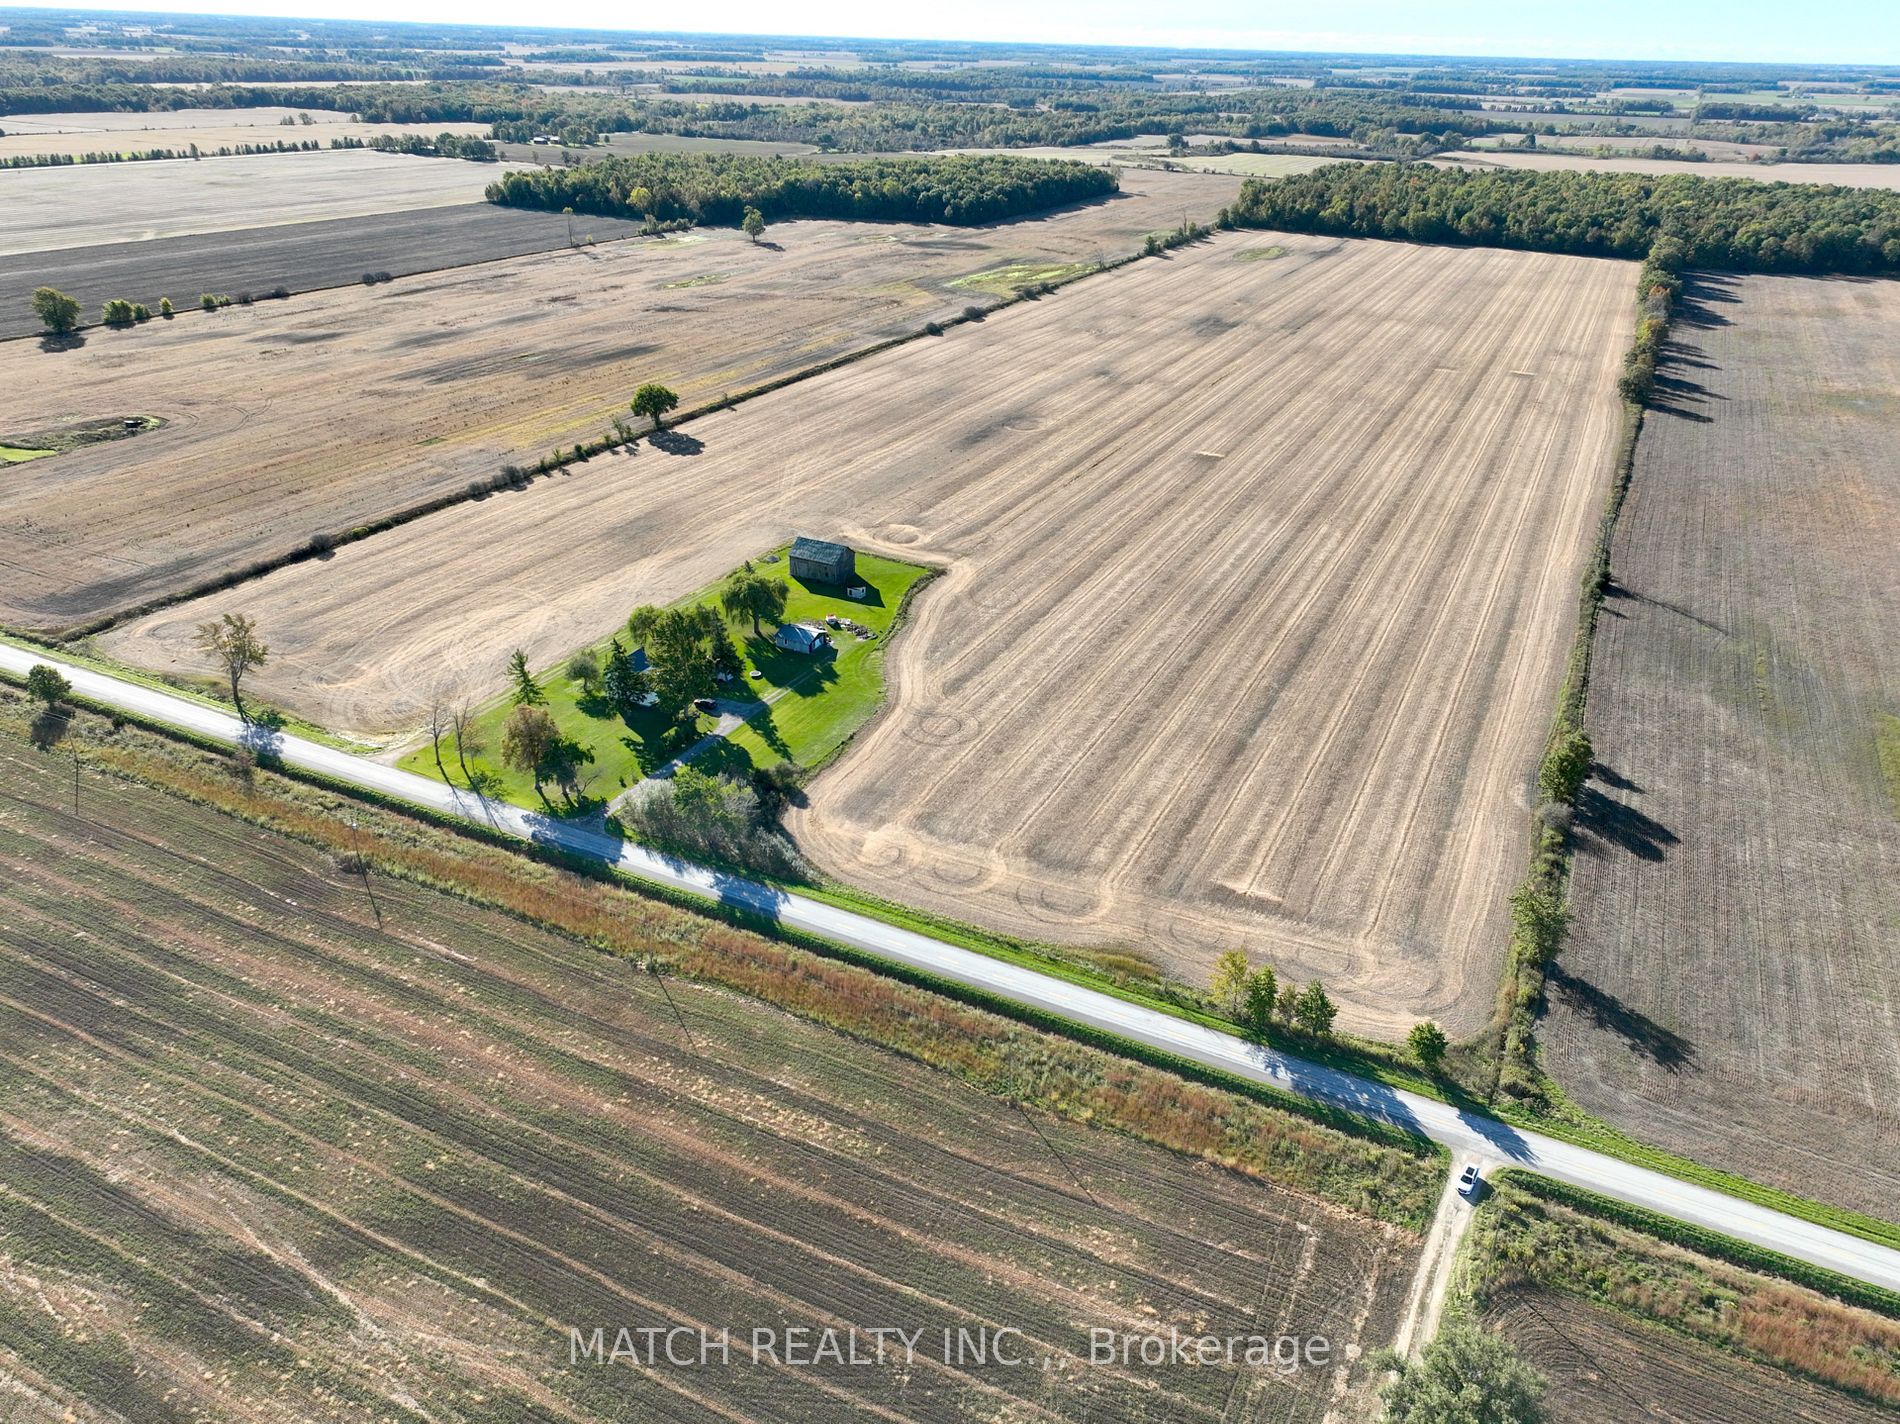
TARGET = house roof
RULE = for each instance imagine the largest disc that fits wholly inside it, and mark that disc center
(822, 551)
(804, 635)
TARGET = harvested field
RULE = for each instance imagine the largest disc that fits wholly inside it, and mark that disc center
(301, 256)
(1849, 175)
(1603, 1365)
(290, 419)
(281, 1142)
(1627, 1326)
(47, 209)
(157, 134)
(1260, 574)
(113, 121)
(1731, 980)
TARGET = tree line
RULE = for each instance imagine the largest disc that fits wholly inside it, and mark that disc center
(719, 188)
(1738, 224)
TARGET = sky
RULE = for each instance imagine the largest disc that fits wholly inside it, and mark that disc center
(1841, 31)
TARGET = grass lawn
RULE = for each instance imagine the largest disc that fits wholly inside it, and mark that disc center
(14, 455)
(813, 704)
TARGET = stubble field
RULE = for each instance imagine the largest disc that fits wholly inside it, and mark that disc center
(282, 1142)
(299, 256)
(316, 415)
(1729, 981)
(1849, 175)
(1259, 576)
(233, 132)
(1630, 1327)
(48, 209)
(1601, 1365)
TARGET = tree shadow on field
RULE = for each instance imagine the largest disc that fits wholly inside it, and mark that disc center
(676, 442)
(1701, 295)
(1604, 820)
(71, 341)
(1662, 1046)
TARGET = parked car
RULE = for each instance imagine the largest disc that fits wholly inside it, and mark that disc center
(1469, 1182)
(705, 704)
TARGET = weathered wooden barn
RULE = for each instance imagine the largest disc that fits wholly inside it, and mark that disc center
(821, 561)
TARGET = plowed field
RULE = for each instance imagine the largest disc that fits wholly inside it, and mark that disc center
(319, 414)
(1260, 574)
(1602, 1365)
(279, 1142)
(1731, 981)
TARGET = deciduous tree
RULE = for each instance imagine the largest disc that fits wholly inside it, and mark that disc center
(1229, 983)
(1263, 989)
(750, 594)
(1314, 1010)
(1465, 1376)
(1428, 1043)
(754, 223)
(654, 401)
(57, 311)
(47, 685)
(231, 642)
(526, 738)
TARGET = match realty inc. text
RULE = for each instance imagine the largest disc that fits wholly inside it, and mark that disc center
(824, 1347)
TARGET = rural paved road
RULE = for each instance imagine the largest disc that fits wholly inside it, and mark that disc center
(1466, 1134)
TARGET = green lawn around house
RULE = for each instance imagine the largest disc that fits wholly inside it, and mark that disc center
(813, 704)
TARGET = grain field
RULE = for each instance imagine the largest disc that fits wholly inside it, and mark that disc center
(1259, 575)
(1730, 983)
(288, 419)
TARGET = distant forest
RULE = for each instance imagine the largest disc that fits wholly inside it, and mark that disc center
(1738, 224)
(718, 188)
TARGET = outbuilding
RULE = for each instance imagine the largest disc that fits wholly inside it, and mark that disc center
(821, 561)
(802, 637)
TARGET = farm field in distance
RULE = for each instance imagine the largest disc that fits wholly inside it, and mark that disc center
(300, 256)
(233, 132)
(49, 209)
(1850, 175)
(1731, 978)
(311, 416)
(285, 1142)
(1262, 654)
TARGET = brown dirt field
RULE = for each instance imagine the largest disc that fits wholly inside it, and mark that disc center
(1602, 1365)
(49, 209)
(1260, 575)
(1851, 175)
(1729, 985)
(283, 1143)
(319, 414)
(231, 133)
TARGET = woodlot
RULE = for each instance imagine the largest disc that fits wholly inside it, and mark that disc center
(1729, 982)
(289, 419)
(1260, 572)
(282, 1142)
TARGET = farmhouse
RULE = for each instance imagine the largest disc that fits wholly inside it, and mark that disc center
(820, 561)
(803, 637)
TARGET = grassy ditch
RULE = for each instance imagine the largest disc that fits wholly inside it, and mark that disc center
(1534, 1234)
(1017, 1054)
